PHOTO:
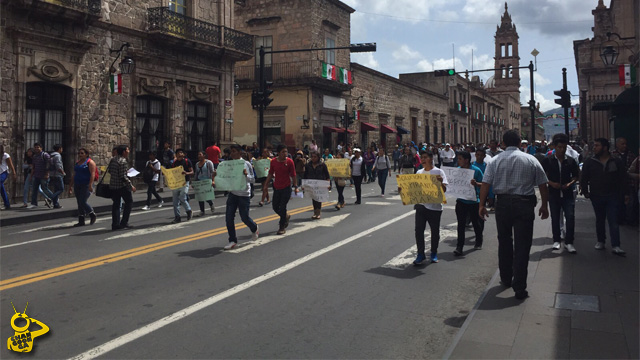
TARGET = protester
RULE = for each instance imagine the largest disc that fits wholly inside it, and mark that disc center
(397, 154)
(604, 181)
(27, 170)
(428, 213)
(316, 170)
(150, 176)
(213, 154)
(494, 149)
(6, 168)
(180, 194)
(300, 163)
(121, 189)
(469, 208)
(284, 174)
(40, 175)
(357, 172)
(266, 154)
(82, 185)
(514, 175)
(340, 185)
(562, 172)
(205, 169)
(168, 155)
(407, 162)
(313, 146)
(369, 160)
(239, 200)
(56, 176)
(382, 167)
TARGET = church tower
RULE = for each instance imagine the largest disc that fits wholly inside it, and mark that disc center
(507, 79)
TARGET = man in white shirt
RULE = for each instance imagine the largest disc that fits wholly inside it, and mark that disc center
(448, 155)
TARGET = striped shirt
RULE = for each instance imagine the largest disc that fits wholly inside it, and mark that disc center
(514, 173)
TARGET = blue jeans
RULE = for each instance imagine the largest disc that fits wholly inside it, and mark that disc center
(370, 175)
(557, 206)
(58, 186)
(39, 185)
(3, 192)
(382, 179)
(82, 198)
(27, 186)
(179, 196)
(240, 203)
(606, 208)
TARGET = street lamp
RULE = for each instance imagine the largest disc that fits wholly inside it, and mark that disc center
(610, 49)
(127, 65)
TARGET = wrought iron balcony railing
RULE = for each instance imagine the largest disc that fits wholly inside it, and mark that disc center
(290, 70)
(92, 7)
(165, 21)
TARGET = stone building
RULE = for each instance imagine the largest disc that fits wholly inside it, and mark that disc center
(306, 105)
(56, 66)
(526, 123)
(602, 97)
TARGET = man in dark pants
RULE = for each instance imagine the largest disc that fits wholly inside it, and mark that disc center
(469, 208)
(121, 189)
(283, 171)
(514, 175)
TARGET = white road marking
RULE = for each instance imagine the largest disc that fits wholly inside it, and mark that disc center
(160, 228)
(378, 203)
(34, 241)
(181, 314)
(312, 224)
(405, 259)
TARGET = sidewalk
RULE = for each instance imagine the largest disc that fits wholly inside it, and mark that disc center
(580, 306)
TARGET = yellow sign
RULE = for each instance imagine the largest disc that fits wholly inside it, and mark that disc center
(106, 177)
(22, 339)
(174, 177)
(339, 167)
(420, 189)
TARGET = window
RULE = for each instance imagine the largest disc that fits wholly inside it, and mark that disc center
(330, 56)
(442, 134)
(509, 71)
(267, 42)
(46, 115)
(503, 72)
(197, 119)
(435, 131)
(178, 6)
(502, 50)
(149, 127)
(509, 49)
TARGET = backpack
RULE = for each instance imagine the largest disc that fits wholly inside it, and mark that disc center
(96, 176)
(148, 173)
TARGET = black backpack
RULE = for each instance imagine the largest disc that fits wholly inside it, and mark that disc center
(148, 173)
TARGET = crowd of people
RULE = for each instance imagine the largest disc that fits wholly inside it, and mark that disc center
(505, 175)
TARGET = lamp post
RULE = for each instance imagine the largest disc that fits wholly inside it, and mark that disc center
(127, 65)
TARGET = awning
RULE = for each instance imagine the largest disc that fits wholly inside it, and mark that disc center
(387, 129)
(365, 126)
(403, 131)
(328, 129)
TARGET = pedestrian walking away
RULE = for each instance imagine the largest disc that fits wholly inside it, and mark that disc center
(469, 208)
(180, 194)
(604, 181)
(358, 170)
(82, 185)
(205, 169)
(40, 175)
(150, 176)
(6, 168)
(428, 213)
(316, 170)
(240, 200)
(340, 185)
(283, 173)
(514, 175)
(121, 189)
(382, 168)
(369, 159)
(397, 153)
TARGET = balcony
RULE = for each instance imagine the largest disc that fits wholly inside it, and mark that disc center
(307, 72)
(461, 108)
(74, 10)
(180, 30)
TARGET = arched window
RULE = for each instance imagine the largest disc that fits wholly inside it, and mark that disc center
(509, 71)
(503, 72)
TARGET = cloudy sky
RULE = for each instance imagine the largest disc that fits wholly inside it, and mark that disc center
(422, 35)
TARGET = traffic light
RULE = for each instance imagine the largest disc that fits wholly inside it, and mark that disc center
(256, 99)
(565, 98)
(266, 100)
(447, 72)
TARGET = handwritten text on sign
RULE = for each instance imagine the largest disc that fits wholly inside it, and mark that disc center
(420, 189)
(317, 189)
(203, 190)
(174, 177)
(460, 183)
(338, 167)
(230, 176)
(262, 167)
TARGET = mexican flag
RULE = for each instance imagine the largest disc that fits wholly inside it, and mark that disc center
(329, 71)
(345, 76)
(115, 83)
(627, 74)
(356, 115)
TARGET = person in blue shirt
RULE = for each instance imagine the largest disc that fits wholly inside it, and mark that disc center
(469, 208)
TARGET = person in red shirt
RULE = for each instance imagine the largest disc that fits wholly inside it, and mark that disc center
(213, 154)
(283, 173)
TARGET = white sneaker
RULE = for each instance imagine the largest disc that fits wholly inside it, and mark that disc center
(570, 248)
(230, 246)
(146, 207)
(556, 246)
(599, 245)
(616, 250)
(31, 206)
(254, 236)
(161, 203)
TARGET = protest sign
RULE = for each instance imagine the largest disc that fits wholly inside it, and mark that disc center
(106, 177)
(230, 176)
(338, 167)
(420, 189)
(262, 167)
(174, 177)
(317, 189)
(460, 183)
(203, 190)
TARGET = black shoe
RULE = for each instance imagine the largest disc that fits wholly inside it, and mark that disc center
(176, 220)
(522, 294)
(126, 226)
(457, 251)
(80, 221)
(478, 247)
(506, 284)
(189, 215)
(93, 218)
(117, 227)
(357, 203)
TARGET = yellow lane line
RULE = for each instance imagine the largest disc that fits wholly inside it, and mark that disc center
(110, 258)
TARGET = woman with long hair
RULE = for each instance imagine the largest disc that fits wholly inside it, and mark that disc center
(266, 154)
(358, 170)
(82, 184)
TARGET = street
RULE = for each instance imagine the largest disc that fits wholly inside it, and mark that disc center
(339, 287)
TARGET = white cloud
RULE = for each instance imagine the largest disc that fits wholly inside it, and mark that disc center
(366, 59)
(403, 10)
(467, 49)
(404, 53)
(424, 66)
(545, 104)
(538, 79)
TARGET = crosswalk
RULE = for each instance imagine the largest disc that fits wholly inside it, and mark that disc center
(405, 259)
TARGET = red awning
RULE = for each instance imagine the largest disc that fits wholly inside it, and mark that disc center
(328, 129)
(348, 131)
(387, 129)
(367, 127)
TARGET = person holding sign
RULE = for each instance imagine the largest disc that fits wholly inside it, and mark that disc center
(318, 171)
(283, 173)
(340, 185)
(428, 213)
(469, 208)
(180, 194)
(262, 176)
(240, 200)
(205, 170)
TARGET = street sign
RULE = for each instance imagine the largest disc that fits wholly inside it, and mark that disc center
(230, 121)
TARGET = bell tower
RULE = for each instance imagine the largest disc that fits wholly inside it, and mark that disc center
(507, 60)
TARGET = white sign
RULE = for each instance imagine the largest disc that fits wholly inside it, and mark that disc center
(317, 189)
(460, 183)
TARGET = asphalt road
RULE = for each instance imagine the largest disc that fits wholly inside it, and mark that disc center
(339, 287)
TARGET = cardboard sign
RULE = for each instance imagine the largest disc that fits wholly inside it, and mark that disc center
(230, 176)
(339, 167)
(317, 189)
(420, 189)
(262, 167)
(460, 183)
(203, 190)
(174, 177)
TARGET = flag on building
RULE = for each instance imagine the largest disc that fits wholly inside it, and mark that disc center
(626, 74)
(356, 115)
(345, 76)
(115, 84)
(329, 71)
